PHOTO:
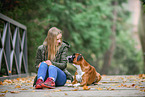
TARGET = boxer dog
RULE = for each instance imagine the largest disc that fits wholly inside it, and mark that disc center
(85, 73)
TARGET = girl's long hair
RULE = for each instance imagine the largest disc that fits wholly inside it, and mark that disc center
(51, 42)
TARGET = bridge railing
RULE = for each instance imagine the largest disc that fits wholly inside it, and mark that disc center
(13, 48)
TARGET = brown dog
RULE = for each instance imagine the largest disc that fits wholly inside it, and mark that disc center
(85, 73)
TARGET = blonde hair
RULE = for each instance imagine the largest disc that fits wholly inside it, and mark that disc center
(51, 42)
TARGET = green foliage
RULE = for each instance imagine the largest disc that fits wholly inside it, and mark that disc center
(127, 59)
(86, 25)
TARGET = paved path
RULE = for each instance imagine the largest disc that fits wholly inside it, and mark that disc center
(124, 85)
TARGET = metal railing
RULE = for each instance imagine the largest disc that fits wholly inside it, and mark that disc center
(13, 48)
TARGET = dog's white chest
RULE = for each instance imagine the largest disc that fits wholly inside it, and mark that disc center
(80, 73)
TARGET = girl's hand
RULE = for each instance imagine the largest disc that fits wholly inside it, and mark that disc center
(48, 62)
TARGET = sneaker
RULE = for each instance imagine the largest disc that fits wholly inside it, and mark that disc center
(49, 83)
(39, 84)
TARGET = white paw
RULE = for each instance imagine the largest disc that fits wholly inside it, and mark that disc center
(77, 85)
(69, 85)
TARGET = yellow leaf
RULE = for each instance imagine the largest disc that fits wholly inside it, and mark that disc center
(10, 72)
(18, 79)
(142, 76)
(99, 88)
(8, 81)
(57, 90)
(31, 87)
(118, 86)
(125, 85)
(4, 91)
(142, 90)
(75, 90)
(23, 89)
(28, 81)
(122, 85)
(137, 87)
(65, 93)
(18, 87)
(86, 88)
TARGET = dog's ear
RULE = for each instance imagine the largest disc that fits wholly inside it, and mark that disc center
(79, 57)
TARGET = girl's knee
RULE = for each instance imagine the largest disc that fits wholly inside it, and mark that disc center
(52, 66)
(43, 64)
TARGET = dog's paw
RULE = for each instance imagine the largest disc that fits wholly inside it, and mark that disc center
(69, 85)
(77, 85)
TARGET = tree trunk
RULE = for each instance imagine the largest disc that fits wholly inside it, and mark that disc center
(142, 32)
(109, 53)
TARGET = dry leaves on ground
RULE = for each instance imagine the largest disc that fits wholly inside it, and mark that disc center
(109, 88)
(99, 88)
(18, 82)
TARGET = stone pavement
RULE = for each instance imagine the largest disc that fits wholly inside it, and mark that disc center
(116, 85)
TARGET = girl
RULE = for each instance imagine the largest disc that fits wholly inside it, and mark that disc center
(51, 61)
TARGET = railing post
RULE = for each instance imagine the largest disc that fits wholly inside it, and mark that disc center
(13, 53)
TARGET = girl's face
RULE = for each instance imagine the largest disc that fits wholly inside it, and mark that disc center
(59, 39)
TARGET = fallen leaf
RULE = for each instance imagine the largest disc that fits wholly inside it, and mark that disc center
(75, 90)
(142, 76)
(2, 94)
(140, 84)
(23, 89)
(122, 85)
(99, 88)
(133, 85)
(142, 90)
(18, 86)
(104, 82)
(142, 87)
(112, 85)
(65, 94)
(15, 92)
(28, 81)
(10, 72)
(68, 81)
(18, 79)
(4, 91)
(137, 87)
(8, 81)
(86, 88)
(109, 88)
(57, 90)
(99, 83)
(1, 83)
(118, 86)
(31, 87)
